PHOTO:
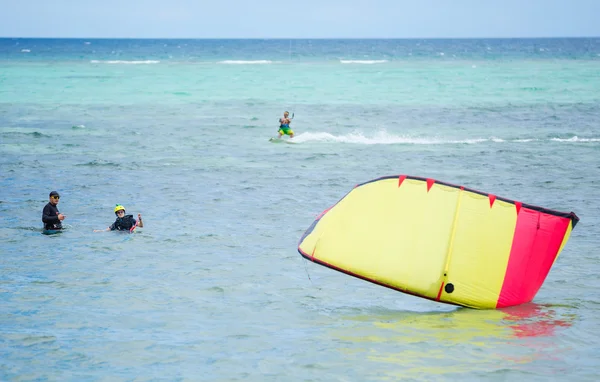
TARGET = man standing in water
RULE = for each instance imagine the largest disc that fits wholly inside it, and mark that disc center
(50, 216)
(284, 125)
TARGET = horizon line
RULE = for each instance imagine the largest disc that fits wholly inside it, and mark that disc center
(296, 38)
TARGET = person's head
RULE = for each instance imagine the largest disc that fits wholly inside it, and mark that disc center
(54, 197)
(285, 114)
(119, 211)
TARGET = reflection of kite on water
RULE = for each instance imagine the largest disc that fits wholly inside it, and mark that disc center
(439, 241)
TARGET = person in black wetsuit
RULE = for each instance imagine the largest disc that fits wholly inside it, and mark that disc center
(123, 222)
(50, 216)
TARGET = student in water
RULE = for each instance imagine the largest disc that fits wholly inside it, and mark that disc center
(284, 125)
(50, 216)
(123, 222)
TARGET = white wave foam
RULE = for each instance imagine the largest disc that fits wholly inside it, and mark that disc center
(385, 138)
(380, 138)
(363, 61)
(525, 140)
(125, 62)
(575, 139)
(25, 50)
(247, 62)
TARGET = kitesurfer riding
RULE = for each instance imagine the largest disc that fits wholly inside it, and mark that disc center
(284, 125)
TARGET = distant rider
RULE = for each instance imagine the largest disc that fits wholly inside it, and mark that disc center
(284, 125)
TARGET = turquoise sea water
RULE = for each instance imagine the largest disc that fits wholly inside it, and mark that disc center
(213, 288)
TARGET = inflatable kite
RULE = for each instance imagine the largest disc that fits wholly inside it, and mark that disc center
(439, 241)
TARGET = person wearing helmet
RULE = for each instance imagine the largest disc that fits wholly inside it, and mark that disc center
(51, 218)
(123, 222)
(284, 125)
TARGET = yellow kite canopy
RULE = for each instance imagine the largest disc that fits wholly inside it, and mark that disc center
(439, 241)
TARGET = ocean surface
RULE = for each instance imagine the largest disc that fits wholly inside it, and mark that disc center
(213, 288)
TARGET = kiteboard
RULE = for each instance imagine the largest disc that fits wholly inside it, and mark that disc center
(281, 140)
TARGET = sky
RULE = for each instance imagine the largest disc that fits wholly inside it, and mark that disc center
(299, 19)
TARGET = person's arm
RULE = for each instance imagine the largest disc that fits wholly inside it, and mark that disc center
(48, 216)
(139, 222)
(111, 228)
